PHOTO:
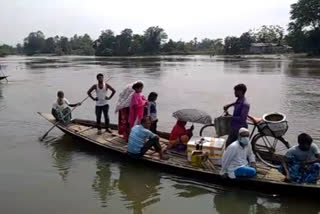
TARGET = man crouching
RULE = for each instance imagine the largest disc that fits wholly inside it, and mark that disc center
(141, 139)
(235, 159)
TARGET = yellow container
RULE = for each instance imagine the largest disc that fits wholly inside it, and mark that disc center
(196, 158)
(213, 146)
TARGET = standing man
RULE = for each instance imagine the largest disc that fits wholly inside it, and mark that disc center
(240, 112)
(101, 101)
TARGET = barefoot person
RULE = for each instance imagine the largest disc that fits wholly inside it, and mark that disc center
(60, 109)
(180, 136)
(240, 112)
(238, 160)
(141, 139)
(138, 102)
(101, 101)
(302, 162)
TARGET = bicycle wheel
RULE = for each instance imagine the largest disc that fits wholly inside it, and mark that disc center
(208, 131)
(269, 149)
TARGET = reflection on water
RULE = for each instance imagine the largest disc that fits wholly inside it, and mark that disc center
(139, 191)
(103, 185)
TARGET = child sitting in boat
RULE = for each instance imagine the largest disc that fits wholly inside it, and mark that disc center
(180, 136)
(60, 109)
(151, 111)
(141, 139)
(302, 162)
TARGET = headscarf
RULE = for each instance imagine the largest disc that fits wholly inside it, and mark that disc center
(178, 130)
(125, 97)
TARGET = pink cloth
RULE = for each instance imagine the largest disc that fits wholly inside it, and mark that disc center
(137, 104)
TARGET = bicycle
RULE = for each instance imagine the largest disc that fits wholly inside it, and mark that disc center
(265, 147)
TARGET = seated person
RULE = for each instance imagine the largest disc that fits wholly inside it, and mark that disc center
(60, 109)
(180, 136)
(301, 163)
(141, 139)
(235, 159)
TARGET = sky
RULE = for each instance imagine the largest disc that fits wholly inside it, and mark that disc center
(181, 19)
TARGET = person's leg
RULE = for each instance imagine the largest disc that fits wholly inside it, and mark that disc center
(98, 116)
(66, 115)
(106, 116)
(233, 136)
(245, 171)
(153, 142)
(153, 127)
(55, 114)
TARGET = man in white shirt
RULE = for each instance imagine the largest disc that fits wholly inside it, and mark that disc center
(238, 159)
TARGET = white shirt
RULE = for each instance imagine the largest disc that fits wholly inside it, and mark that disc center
(101, 95)
(65, 104)
(235, 157)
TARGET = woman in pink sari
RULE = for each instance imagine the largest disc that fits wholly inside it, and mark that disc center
(137, 105)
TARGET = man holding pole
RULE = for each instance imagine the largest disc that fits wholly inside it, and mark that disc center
(101, 99)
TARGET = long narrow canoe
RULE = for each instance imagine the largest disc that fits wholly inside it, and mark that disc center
(3, 77)
(267, 180)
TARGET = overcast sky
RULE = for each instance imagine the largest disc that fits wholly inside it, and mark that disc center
(181, 19)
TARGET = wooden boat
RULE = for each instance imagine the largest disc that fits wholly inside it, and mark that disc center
(268, 180)
(3, 77)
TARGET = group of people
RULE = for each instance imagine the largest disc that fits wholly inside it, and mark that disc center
(137, 123)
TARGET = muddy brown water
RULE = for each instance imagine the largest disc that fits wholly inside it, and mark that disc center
(61, 175)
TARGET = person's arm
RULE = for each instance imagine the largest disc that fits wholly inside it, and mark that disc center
(243, 115)
(317, 160)
(113, 91)
(227, 158)
(284, 163)
(90, 92)
(226, 107)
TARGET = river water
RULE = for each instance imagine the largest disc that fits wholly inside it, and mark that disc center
(61, 175)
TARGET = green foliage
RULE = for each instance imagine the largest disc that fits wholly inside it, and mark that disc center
(305, 14)
(246, 39)
(304, 28)
(34, 43)
(153, 37)
(232, 45)
(6, 50)
(105, 44)
(269, 34)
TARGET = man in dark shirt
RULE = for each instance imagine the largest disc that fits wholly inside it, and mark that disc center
(240, 113)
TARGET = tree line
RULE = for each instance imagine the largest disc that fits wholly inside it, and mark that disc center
(303, 36)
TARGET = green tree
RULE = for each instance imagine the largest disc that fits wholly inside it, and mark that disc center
(137, 44)
(305, 14)
(105, 44)
(304, 28)
(124, 41)
(34, 43)
(232, 45)
(153, 37)
(169, 47)
(246, 39)
(82, 45)
(50, 46)
(270, 34)
(6, 50)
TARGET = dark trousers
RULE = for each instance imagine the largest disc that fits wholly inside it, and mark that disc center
(99, 110)
(153, 142)
(153, 127)
(233, 136)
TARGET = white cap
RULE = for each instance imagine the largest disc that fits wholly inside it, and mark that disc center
(243, 130)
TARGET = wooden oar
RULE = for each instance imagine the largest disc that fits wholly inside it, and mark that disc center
(57, 123)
